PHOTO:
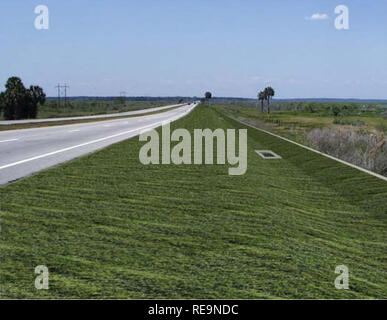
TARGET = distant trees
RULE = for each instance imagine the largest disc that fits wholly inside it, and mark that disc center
(269, 93)
(208, 95)
(311, 107)
(36, 97)
(17, 102)
(262, 98)
(266, 94)
(335, 109)
(119, 102)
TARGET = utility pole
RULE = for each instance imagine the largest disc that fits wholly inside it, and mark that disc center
(123, 97)
(65, 88)
(58, 86)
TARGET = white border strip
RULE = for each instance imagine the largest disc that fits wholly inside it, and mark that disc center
(274, 156)
(313, 150)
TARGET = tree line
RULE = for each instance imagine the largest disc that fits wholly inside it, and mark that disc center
(17, 102)
(265, 95)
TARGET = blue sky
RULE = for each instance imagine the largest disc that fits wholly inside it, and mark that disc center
(180, 47)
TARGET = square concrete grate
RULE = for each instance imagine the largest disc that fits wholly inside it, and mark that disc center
(268, 154)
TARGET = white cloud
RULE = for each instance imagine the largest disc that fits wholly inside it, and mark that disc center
(256, 78)
(318, 16)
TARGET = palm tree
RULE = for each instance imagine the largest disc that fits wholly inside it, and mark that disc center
(15, 99)
(17, 102)
(207, 97)
(36, 97)
(269, 93)
(261, 97)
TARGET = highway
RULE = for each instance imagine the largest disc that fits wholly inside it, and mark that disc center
(24, 152)
(100, 116)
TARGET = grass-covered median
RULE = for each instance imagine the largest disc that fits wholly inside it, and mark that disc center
(107, 226)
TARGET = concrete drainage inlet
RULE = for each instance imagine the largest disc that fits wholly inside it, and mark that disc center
(268, 154)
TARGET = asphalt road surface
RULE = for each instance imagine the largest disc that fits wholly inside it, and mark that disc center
(100, 116)
(23, 152)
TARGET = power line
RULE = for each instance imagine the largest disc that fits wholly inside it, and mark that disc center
(58, 86)
(65, 88)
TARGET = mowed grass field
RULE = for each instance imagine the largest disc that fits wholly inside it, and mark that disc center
(107, 226)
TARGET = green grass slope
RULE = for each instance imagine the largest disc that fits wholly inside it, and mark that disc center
(107, 226)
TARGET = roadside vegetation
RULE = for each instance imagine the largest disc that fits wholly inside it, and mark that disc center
(354, 132)
(75, 108)
(107, 226)
(17, 102)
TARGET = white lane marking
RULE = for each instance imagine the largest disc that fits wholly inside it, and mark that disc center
(77, 130)
(10, 140)
(151, 126)
(107, 125)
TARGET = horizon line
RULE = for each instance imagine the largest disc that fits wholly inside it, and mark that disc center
(214, 97)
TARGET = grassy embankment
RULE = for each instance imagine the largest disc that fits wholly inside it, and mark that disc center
(108, 227)
(351, 132)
